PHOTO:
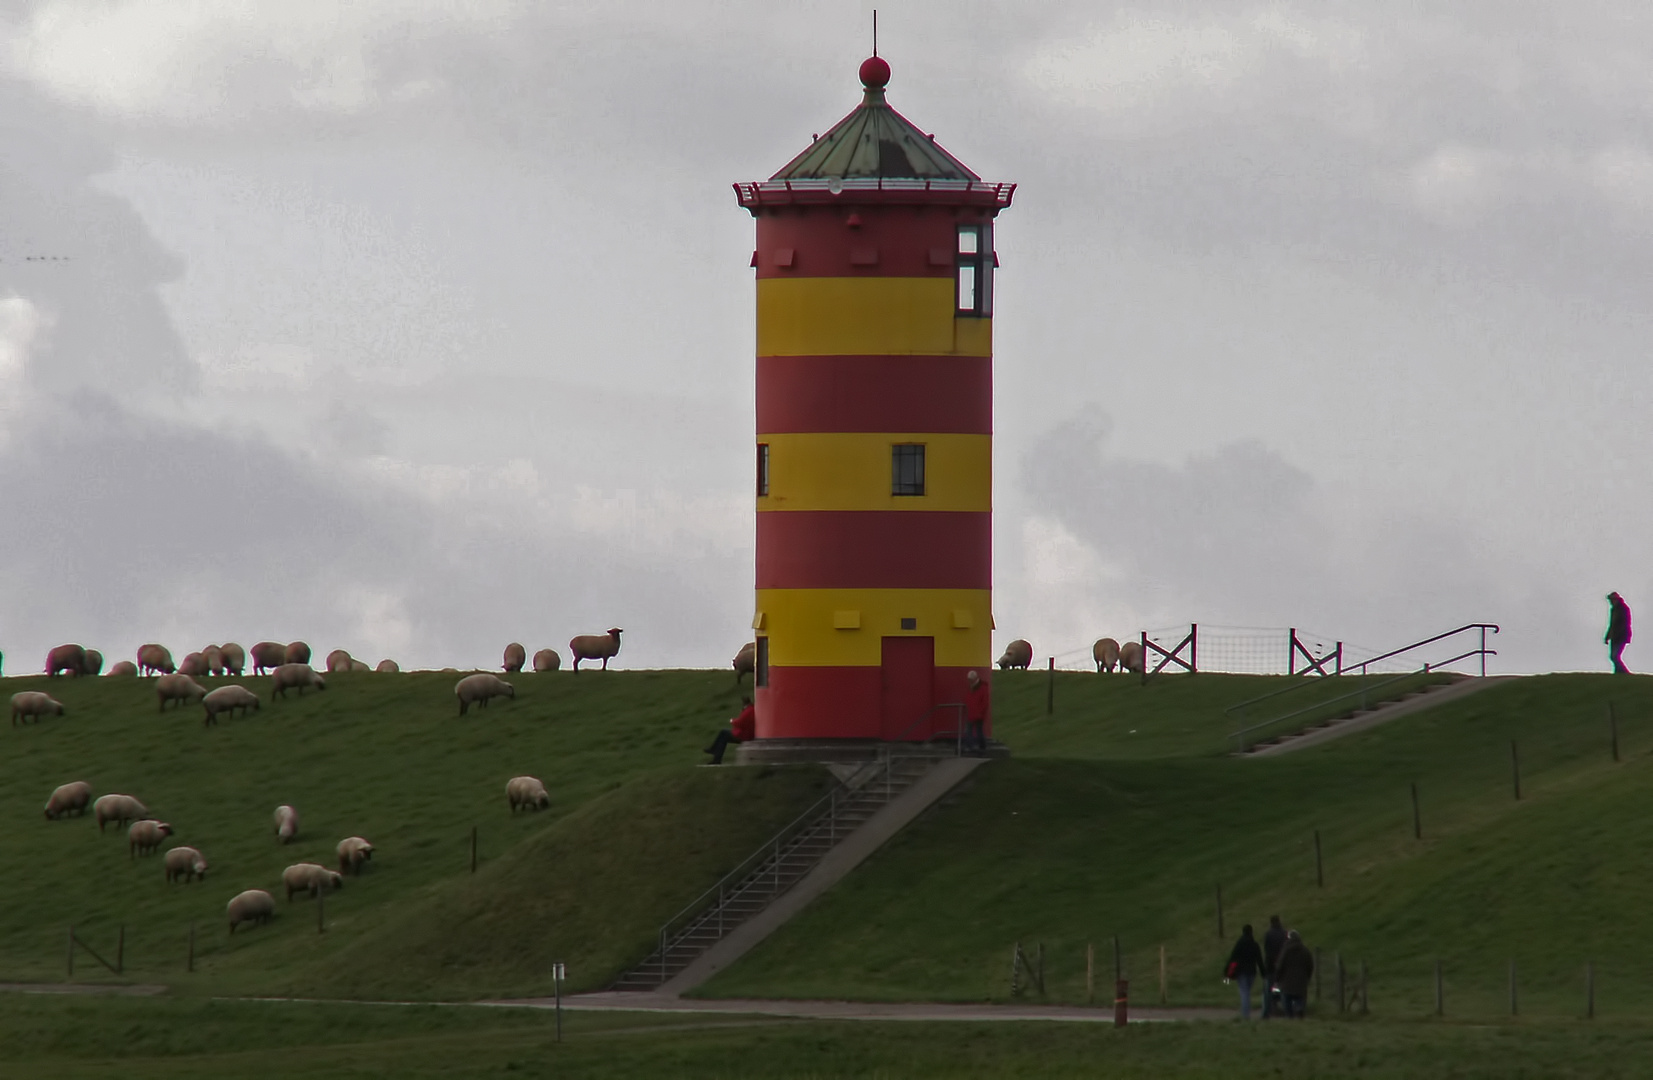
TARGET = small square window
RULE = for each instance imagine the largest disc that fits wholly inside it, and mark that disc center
(763, 469)
(907, 469)
(909, 624)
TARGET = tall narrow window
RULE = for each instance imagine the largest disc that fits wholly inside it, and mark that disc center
(763, 469)
(907, 469)
(975, 270)
(760, 663)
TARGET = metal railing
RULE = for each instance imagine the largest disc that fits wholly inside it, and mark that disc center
(1482, 651)
(957, 732)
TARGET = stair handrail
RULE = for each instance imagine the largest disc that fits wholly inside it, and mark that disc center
(1364, 693)
(1483, 652)
(958, 732)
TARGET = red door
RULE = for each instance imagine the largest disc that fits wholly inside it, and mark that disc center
(909, 676)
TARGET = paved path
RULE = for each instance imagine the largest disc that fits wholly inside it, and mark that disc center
(1382, 715)
(621, 1001)
(138, 990)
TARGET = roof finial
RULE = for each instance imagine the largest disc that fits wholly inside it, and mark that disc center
(875, 31)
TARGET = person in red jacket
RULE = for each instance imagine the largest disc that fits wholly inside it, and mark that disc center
(740, 729)
(975, 714)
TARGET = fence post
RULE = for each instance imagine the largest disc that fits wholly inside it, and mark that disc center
(1515, 1009)
(1291, 651)
(71, 954)
(1050, 689)
(1162, 996)
(473, 849)
(1144, 655)
(1193, 649)
(1090, 974)
(189, 963)
(1440, 990)
(1589, 991)
(321, 925)
(1483, 652)
(1342, 1002)
(1016, 970)
(1365, 1002)
(1118, 961)
(1319, 869)
(1515, 769)
(1121, 1003)
(1417, 819)
(1319, 965)
(1220, 935)
(1613, 726)
(120, 950)
(1340, 658)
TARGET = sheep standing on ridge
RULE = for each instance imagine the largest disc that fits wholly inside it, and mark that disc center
(186, 863)
(595, 647)
(298, 677)
(267, 656)
(178, 687)
(93, 663)
(286, 823)
(234, 657)
(478, 689)
(527, 793)
(194, 665)
(144, 837)
(213, 657)
(547, 660)
(1106, 654)
(155, 659)
(1130, 657)
(66, 797)
(746, 660)
(255, 906)
(387, 667)
(311, 878)
(118, 808)
(32, 705)
(1018, 654)
(298, 653)
(228, 699)
(515, 657)
(70, 658)
(123, 668)
(353, 853)
(338, 660)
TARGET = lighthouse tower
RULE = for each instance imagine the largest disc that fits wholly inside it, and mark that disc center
(874, 269)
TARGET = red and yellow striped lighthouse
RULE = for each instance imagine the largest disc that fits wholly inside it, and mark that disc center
(874, 430)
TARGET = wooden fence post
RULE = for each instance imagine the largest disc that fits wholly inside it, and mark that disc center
(1090, 974)
(1589, 991)
(189, 962)
(1515, 769)
(1118, 961)
(1440, 994)
(1162, 992)
(1050, 689)
(1515, 1007)
(1613, 728)
(321, 925)
(1342, 1002)
(1220, 935)
(473, 849)
(1319, 869)
(120, 950)
(1417, 817)
(71, 954)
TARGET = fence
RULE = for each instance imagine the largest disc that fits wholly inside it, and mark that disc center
(1233, 650)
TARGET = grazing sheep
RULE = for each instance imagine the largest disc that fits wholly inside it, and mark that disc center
(547, 660)
(311, 878)
(71, 796)
(213, 657)
(228, 699)
(144, 837)
(70, 658)
(235, 658)
(298, 677)
(286, 823)
(254, 906)
(338, 660)
(153, 659)
(1130, 657)
(595, 647)
(1106, 653)
(353, 852)
(93, 664)
(515, 657)
(479, 688)
(118, 808)
(186, 863)
(33, 704)
(359, 665)
(123, 668)
(1018, 654)
(527, 793)
(746, 661)
(268, 655)
(194, 665)
(387, 667)
(298, 653)
(178, 687)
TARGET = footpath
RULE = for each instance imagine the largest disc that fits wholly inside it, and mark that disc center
(655, 1002)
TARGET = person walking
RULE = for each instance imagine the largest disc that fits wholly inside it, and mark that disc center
(1244, 962)
(1618, 631)
(740, 729)
(1292, 971)
(976, 702)
(1274, 939)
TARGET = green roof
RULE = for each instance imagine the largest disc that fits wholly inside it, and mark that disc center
(875, 141)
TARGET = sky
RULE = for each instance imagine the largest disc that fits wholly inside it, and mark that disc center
(418, 327)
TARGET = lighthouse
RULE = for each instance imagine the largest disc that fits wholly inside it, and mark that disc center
(874, 263)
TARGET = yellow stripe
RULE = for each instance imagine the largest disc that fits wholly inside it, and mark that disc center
(802, 631)
(866, 316)
(853, 471)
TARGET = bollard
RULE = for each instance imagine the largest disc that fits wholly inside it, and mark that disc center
(1121, 1003)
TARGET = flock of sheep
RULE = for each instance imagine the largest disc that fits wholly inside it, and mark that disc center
(1109, 655)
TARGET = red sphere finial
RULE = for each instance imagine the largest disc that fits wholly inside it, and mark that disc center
(875, 72)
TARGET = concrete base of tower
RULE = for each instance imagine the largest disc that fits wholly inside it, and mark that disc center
(848, 751)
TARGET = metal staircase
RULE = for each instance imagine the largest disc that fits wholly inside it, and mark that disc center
(781, 862)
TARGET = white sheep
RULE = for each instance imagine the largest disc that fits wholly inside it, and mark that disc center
(229, 699)
(267, 656)
(177, 687)
(254, 906)
(144, 837)
(186, 863)
(527, 793)
(300, 677)
(746, 660)
(213, 657)
(155, 659)
(286, 823)
(595, 647)
(66, 797)
(70, 658)
(1130, 656)
(547, 660)
(298, 652)
(93, 663)
(1106, 653)
(515, 656)
(118, 808)
(359, 665)
(29, 705)
(234, 658)
(311, 878)
(353, 852)
(478, 689)
(123, 668)
(1018, 654)
(388, 667)
(338, 660)
(194, 665)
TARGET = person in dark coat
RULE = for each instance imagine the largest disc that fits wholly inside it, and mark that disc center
(1618, 631)
(1292, 972)
(740, 729)
(1244, 963)
(975, 714)
(1273, 941)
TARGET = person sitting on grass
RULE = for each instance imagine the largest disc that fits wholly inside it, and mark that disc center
(740, 729)
(1292, 973)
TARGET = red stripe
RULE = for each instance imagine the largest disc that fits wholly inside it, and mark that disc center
(943, 394)
(846, 703)
(823, 244)
(874, 549)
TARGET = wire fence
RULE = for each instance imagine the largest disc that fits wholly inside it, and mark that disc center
(1237, 650)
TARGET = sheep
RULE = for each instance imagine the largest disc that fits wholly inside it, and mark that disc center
(515, 657)
(311, 878)
(70, 658)
(353, 852)
(153, 659)
(123, 668)
(33, 704)
(547, 660)
(213, 657)
(177, 687)
(93, 663)
(118, 808)
(286, 823)
(235, 658)
(1018, 654)
(228, 699)
(359, 665)
(746, 661)
(295, 677)
(595, 647)
(338, 660)
(479, 688)
(387, 667)
(66, 797)
(186, 863)
(194, 665)
(144, 837)
(267, 656)
(298, 653)
(1130, 656)
(1106, 654)
(527, 793)
(254, 906)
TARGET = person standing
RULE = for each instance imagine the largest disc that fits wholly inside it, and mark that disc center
(1273, 941)
(1292, 972)
(740, 729)
(976, 702)
(1244, 962)
(1618, 631)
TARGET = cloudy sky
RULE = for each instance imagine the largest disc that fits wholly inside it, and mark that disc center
(416, 327)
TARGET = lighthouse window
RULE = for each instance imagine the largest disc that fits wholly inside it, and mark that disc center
(763, 469)
(907, 469)
(975, 270)
(760, 667)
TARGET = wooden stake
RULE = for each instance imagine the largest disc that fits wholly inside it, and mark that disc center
(1589, 991)
(1417, 818)
(1342, 1002)
(1118, 961)
(1613, 727)
(1515, 1006)
(1090, 974)
(1050, 689)
(189, 963)
(473, 849)
(1515, 769)
(120, 950)
(1162, 998)
(321, 924)
(71, 955)
(1440, 991)
(1220, 935)
(1319, 869)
